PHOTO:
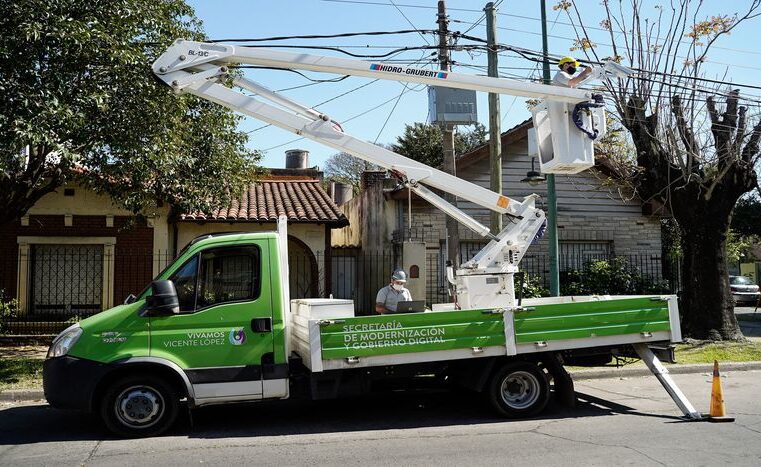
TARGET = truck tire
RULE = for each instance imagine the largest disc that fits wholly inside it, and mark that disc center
(518, 390)
(137, 406)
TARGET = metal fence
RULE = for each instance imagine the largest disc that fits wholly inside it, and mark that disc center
(52, 286)
(359, 276)
(44, 291)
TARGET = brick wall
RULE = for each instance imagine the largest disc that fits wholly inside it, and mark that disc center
(627, 235)
(133, 250)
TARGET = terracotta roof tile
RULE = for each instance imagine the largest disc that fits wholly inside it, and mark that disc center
(300, 199)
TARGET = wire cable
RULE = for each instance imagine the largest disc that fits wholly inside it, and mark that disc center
(329, 36)
(365, 2)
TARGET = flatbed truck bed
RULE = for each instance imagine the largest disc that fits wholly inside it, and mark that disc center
(552, 324)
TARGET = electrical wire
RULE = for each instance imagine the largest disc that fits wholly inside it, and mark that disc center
(330, 36)
(408, 20)
(303, 75)
(365, 2)
(337, 49)
(534, 56)
(345, 121)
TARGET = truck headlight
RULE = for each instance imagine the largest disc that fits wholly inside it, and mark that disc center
(64, 341)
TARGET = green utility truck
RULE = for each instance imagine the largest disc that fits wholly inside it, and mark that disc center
(216, 326)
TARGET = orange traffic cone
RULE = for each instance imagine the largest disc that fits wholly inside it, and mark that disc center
(717, 412)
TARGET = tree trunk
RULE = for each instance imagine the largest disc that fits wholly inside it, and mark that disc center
(706, 302)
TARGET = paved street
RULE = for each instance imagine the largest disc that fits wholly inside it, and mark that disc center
(750, 321)
(619, 421)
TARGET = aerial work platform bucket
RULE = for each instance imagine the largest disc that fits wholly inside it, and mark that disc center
(565, 135)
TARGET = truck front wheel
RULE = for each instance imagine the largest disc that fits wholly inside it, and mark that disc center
(519, 390)
(136, 406)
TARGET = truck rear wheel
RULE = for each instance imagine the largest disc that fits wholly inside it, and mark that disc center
(519, 390)
(136, 406)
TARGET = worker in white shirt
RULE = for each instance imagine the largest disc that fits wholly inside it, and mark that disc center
(389, 296)
(568, 67)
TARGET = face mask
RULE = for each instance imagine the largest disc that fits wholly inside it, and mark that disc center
(397, 287)
(570, 70)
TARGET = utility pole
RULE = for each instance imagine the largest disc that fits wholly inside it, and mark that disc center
(552, 201)
(495, 132)
(452, 227)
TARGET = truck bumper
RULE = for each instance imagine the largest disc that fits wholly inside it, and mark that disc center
(69, 382)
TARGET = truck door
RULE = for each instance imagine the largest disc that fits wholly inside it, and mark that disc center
(223, 335)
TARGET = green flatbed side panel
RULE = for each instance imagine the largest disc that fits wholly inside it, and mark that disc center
(591, 319)
(364, 336)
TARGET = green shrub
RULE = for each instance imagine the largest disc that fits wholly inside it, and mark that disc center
(533, 287)
(8, 310)
(609, 277)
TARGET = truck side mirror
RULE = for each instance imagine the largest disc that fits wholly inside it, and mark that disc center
(163, 299)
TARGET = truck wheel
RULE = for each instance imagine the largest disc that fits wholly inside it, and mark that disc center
(136, 406)
(519, 390)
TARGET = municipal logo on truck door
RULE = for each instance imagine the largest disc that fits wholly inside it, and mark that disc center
(237, 336)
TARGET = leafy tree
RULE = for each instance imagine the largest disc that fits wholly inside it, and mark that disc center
(345, 168)
(692, 155)
(746, 218)
(423, 142)
(78, 99)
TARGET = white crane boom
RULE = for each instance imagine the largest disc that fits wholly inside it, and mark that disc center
(198, 68)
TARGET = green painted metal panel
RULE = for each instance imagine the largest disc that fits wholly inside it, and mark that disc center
(591, 319)
(221, 334)
(421, 332)
(416, 332)
(113, 334)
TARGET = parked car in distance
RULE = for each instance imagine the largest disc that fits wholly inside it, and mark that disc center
(744, 290)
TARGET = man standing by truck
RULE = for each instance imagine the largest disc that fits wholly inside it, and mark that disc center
(389, 296)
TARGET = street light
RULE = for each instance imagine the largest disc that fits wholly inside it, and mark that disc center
(533, 177)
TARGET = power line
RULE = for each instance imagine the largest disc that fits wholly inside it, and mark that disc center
(303, 75)
(344, 121)
(408, 20)
(351, 54)
(360, 2)
(330, 36)
(528, 54)
(633, 49)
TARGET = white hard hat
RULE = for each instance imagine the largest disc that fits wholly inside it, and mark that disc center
(399, 275)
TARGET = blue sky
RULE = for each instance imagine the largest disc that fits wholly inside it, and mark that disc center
(369, 108)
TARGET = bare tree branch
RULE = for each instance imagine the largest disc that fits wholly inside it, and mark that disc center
(685, 131)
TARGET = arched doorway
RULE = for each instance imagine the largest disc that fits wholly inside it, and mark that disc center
(303, 277)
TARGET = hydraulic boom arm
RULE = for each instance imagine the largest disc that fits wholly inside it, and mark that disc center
(199, 68)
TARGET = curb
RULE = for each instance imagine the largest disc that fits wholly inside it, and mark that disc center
(19, 395)
(624, 372)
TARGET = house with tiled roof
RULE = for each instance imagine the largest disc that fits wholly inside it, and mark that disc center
(76, 253)
(296, 193)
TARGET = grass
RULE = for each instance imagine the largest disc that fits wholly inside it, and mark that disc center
(21, 367)
(20, 373)
(707, 352)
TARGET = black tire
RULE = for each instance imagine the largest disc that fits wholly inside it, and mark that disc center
(519, 390)
(137, 406)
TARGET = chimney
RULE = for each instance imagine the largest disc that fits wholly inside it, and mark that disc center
(371, 178)
(296, 159)
(341, 192)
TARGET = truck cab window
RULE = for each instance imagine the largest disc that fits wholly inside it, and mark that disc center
(228, 275)
(185, 282)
